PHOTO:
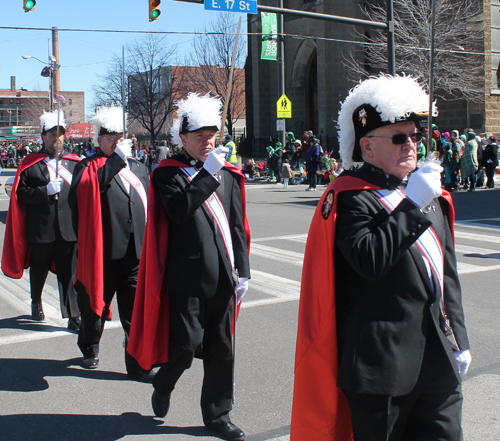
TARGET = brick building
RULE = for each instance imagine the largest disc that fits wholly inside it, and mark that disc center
(20, 109)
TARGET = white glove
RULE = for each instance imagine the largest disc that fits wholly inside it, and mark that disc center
(489, 161)
(54, 186)
(240, 289)
(463, 359)
(215, 160)
(124, 149)
(424, 185)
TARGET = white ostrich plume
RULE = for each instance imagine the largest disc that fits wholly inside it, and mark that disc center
(49, 120)
(111, 118)
(201, 111)
(394, 97)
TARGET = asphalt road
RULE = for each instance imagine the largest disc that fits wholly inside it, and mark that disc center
(45, 394)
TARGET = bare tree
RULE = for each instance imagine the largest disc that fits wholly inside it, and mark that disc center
(151, 87)
(458, 63)
(212, 53)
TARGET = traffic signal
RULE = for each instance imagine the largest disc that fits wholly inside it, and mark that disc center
(29, 5)
(154, 12)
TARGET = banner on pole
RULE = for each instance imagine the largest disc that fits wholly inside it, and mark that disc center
(269, 36)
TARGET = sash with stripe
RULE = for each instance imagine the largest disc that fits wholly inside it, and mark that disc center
(63, 171)
(136, 184)
(216, 209)
(432, 252)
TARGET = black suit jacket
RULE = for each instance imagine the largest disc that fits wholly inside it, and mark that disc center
(120, 209)
(386, 302)
(46, 215)
(195, 247)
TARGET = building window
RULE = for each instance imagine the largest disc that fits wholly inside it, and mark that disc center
(70, 101)
(11, 101)
(70, 113)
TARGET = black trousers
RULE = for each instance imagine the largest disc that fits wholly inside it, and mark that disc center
(120, 277)
(432, 411)
(277, 173)
(205, 323)
(64, 255)
(490, 173)
(313, 179)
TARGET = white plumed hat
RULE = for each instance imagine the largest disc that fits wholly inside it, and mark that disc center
(107, 121)
(377, 102)
(196, 113)
(48, 121)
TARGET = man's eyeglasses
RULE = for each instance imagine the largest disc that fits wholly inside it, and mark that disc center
(401, 138)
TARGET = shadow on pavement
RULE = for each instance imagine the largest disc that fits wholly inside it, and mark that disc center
(26, 323)
(50, 427)
(28, 374)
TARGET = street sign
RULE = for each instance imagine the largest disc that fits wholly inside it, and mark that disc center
(284, 107)
(246, 6)
(280, 125)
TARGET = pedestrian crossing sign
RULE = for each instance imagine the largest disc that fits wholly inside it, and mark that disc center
(284, 107)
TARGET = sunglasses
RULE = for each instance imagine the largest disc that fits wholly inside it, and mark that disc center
(401, 138)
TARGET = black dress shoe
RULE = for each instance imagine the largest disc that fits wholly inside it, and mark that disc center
(74, 324)
(228, 431)
(91, 362)
(160, 403)
(37, 312)
(142, 375)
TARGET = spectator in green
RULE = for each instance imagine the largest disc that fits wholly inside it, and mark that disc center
(231, 156)
(421, 151)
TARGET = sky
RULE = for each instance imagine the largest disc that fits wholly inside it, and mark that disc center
(85, 55)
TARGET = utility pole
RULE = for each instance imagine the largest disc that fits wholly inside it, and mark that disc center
(55, 52)
(281, 62)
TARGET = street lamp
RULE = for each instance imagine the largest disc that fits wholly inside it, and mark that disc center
(48, 71)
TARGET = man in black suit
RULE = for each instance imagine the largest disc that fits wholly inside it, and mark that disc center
(41, 194)
(401, 340)
(109, 202)
(205, 268)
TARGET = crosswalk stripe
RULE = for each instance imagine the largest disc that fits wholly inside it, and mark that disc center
(290, 257)
(462, 249)
(477, 237)
(301, 238)
(277, 289)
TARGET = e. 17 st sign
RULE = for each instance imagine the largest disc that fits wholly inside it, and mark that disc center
(246, 6)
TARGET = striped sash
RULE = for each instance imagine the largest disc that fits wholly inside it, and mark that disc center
(432, 252)
(136, 184)
(216, 209)
(63, 171)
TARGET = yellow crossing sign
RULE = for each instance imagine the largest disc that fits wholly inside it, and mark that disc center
(284, 107)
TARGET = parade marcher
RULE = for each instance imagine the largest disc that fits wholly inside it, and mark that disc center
(109, 200)
(381, 341)
(231, 155)
(39, 232)
(194, 267)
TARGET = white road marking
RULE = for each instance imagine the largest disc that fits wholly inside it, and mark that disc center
(277, 289)
(272, 253)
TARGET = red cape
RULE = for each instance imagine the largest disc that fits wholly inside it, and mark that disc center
(16, 250)
(149, 333)
(89, 267)
(320, 410)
